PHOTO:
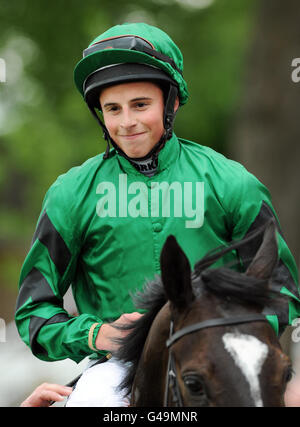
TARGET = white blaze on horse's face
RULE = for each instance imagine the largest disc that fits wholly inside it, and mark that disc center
(249, 355)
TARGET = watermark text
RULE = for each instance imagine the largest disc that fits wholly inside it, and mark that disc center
(2, 71)
(296, 72)
(157, 199)
(2, 330)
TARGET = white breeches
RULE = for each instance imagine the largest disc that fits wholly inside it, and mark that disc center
(98, 386)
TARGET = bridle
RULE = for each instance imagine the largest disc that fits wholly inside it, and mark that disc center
(171, 380)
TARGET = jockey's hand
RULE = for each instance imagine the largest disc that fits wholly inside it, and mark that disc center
(292, 393)
(45, 394)
(107, 332)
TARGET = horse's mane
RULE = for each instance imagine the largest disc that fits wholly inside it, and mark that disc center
(223, 282)
(152, 298)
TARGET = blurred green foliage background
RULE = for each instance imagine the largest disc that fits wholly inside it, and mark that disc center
(243, 103)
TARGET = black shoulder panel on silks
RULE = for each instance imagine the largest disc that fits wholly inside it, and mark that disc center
(281, 276)
(50, 237)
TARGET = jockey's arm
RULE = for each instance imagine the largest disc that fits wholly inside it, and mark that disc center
(251, 210)
(48, 271)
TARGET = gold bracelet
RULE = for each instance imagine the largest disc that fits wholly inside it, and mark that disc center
(90, 338)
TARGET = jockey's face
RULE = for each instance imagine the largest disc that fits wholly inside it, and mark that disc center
(133, 115)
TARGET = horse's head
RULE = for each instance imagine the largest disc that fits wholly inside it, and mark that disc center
(234, 359)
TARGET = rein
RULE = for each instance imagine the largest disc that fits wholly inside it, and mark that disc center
(171, 380)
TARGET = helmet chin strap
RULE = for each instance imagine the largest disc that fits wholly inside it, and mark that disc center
(106, 135)
(169, 116)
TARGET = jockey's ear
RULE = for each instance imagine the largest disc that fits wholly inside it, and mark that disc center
(176, 105)
(176, 274)
(266, 257)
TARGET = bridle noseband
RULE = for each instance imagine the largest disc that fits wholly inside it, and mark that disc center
(171, 380)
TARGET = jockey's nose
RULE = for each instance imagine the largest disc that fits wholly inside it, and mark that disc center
(128, 119)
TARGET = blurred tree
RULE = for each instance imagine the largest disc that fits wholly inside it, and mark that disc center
(266, 133)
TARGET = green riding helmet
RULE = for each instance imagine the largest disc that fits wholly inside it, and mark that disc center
(132, 52)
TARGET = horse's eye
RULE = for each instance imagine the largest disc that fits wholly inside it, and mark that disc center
(194, 384)
(288, 374)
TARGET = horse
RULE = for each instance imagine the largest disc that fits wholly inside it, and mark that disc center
(203, 340)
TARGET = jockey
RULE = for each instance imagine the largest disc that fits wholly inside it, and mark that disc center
(103, 224)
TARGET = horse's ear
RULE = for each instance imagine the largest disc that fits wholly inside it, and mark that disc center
(176, 274)
(266, 258)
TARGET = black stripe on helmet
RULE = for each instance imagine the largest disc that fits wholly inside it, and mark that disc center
(130, 43)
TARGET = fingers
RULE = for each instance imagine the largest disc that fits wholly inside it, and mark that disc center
(57, 390)
(109, 332)
(129, 317)
(133, 316)
(47, 393)
(49, 396)
(292, 394)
